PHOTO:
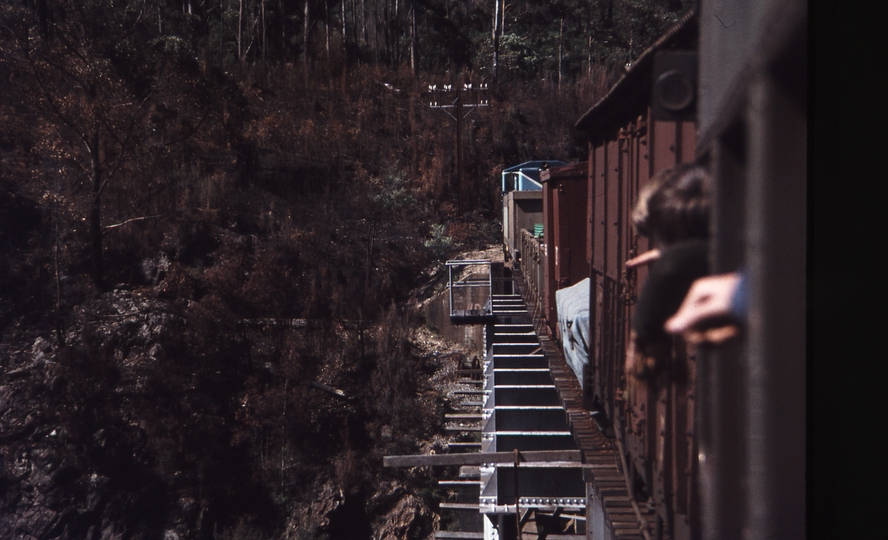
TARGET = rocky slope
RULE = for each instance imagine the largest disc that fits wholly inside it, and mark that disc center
(128, 431)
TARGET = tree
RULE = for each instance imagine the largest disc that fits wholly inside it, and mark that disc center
(111, 94)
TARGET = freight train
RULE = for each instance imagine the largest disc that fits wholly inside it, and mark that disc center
(713, 446)
(716, 445)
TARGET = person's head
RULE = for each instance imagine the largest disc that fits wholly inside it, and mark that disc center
(640, 212)
(674, 206)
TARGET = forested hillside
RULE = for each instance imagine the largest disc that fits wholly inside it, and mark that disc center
(177, 172)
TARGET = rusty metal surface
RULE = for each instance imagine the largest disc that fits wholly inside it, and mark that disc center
(624, 95)
(653, 422)
(564, 208)
(614, 207)
(603, 473)
(568, 186)
(752, 412)
(654, 449)
(521, 211)
(533, 271)
(550, 279)
(657, 437)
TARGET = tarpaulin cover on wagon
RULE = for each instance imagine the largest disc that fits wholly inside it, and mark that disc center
(573, 322)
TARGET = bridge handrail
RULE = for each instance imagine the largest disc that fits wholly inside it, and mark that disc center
(533, 267)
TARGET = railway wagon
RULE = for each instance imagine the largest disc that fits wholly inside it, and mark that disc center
(522, 191)
(588, 234)
(752, 123)
(694, 444)
(715, 448)
(565, 191)
(522, 210)
(645, 124)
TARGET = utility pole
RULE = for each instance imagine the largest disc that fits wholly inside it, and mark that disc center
(459, 153)
(457, 106)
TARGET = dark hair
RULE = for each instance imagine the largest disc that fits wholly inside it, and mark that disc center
(640, 216)
(678, 208)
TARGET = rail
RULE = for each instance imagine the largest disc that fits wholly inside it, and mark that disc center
(533, 268)
(470, 284)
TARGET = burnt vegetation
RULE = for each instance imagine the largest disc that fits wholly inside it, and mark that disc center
(212, 219)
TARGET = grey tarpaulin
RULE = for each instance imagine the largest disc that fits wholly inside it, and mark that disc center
(573, 322)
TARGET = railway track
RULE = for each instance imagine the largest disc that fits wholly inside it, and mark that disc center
(610, 510)
(541, 468)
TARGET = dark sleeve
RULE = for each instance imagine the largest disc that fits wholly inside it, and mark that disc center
(665, 289)
(740, 300)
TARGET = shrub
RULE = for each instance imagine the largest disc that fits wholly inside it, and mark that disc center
(439, 244)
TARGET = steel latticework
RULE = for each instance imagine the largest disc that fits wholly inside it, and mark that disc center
(542, 467)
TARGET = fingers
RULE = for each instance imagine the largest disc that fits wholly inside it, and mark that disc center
(697, 306)
(716, 336)
(708, 300)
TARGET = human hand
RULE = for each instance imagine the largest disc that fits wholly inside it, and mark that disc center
(715, 336)
(705, 313)
(646, 362)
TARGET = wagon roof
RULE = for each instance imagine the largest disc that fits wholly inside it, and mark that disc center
(631, 95)
(535, 164)
(574, 170)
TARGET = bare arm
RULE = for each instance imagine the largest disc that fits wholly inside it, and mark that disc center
(645, 258)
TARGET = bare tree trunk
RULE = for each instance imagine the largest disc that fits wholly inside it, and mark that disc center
(376, 32)
(264, 42)
(363, 21)
(306, 26)
(327, 28)
(388, 29)
(283, 27)
(222, 29)
(397, 34)
(413, 38)
(284, 433)
(60, 326)
(95, 213)
(43, 16)
(355, 22)
(560, 51)
(496, 34)
(240, 30)
(371, 239)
